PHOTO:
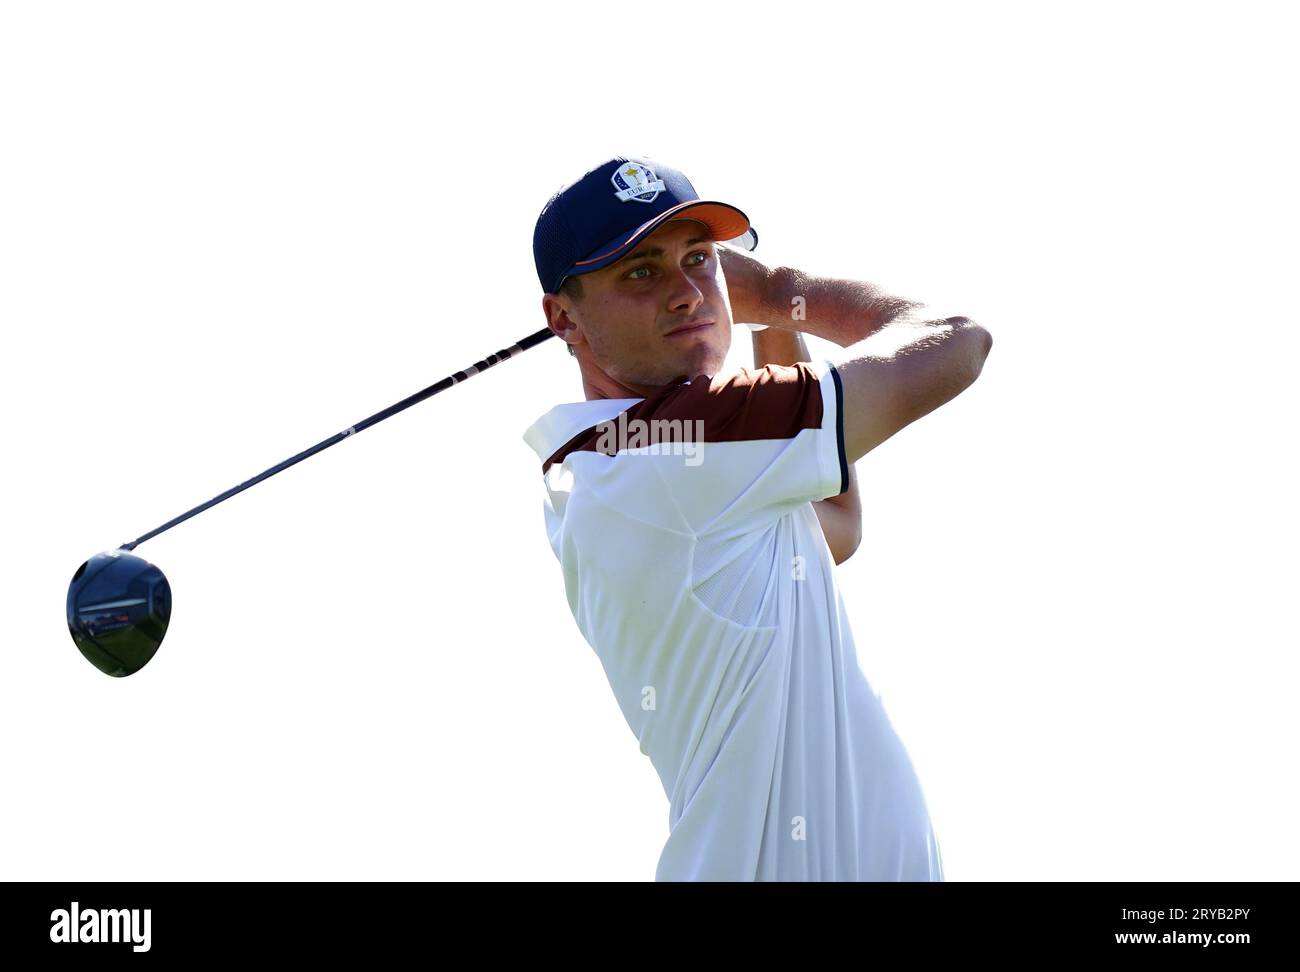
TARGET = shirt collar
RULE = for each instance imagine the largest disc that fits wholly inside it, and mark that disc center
(563, 422)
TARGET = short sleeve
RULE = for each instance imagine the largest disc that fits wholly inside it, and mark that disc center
(772, 438)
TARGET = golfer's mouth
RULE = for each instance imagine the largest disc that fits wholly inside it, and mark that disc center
(690, 328)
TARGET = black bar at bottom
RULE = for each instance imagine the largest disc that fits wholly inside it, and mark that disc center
(642, 922)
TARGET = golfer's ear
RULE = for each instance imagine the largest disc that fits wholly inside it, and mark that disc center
(903, 372)
(553, 309)
(557, 317)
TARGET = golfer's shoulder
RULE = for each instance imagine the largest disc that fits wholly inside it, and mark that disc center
(774, 401)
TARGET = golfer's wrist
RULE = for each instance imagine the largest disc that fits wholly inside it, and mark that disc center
(769, 301)
(748, 283)
(778, 346)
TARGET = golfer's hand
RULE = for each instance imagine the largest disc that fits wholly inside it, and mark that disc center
(749, 284)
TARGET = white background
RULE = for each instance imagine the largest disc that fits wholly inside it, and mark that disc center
(230, 230)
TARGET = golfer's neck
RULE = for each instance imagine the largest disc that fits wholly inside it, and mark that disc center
(597, 384)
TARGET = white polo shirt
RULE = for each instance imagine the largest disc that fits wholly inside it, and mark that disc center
(697, 570)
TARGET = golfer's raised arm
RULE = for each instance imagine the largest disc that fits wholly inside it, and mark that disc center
(896, 363)
(905, 371)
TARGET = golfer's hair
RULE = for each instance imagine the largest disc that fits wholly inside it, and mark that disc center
(573, 287)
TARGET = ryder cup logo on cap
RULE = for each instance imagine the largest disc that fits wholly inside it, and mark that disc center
(585, 226)
(636, 183)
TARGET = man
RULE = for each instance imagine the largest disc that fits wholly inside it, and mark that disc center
(697, 516)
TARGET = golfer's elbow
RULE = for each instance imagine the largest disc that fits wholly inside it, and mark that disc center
(970, 346)
(846, 545)
(981, 344)
(967, 348)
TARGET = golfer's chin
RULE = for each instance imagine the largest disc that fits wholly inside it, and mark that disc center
(704, 354)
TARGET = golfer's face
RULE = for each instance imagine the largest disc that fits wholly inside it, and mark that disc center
(662, 311)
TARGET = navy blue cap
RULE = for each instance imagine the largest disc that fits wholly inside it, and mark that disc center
(596, 220)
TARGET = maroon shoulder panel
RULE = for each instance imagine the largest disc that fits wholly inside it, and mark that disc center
(773, 402)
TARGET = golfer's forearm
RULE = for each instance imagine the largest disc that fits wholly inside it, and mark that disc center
(778, 346)
(841, 519)
(840, 311)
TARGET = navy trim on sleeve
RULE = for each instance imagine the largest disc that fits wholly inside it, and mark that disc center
(839, 430)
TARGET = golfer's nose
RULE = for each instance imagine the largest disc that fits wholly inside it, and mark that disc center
(685, 294)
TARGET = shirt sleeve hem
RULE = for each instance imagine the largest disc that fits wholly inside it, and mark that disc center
(839, 429)
(833, 458)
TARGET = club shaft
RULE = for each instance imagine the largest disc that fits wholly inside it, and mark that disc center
(518, 348)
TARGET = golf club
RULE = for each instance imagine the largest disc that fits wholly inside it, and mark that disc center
(119, 604)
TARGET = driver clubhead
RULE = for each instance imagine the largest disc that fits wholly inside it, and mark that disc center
(118, 608)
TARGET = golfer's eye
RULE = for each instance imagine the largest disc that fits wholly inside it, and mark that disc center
(645, 271)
